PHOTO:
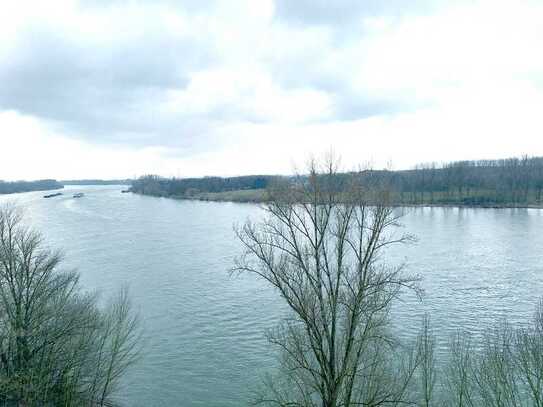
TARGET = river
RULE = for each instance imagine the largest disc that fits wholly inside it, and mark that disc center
(205, 329)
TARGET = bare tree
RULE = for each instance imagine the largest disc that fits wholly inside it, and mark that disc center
(505, 369)
(321, 246)
(426, 352)
(57, 346)
(529, 358)
(495, 376)
(459, 373)
(120, 342)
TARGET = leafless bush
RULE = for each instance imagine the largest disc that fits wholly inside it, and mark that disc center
(57, 346)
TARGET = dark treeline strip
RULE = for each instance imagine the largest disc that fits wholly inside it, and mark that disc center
(96, 182)
(189, 187)
(27, 186)
(512, 181)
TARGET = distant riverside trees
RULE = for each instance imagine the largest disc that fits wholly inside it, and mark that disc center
(154, 185)
(27, 186)
(513, 181)
(97, 182)
(509, 181)
(58, 347)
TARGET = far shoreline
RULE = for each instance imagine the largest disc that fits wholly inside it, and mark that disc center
(256, 197)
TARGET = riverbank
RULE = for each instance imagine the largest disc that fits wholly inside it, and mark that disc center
(260, 196)
(240, 196)
(29, 186)
(510, 183)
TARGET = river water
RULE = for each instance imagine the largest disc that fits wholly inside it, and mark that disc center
(205, 329)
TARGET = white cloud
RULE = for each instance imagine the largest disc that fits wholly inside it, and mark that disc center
(231, 88)
(31, 151)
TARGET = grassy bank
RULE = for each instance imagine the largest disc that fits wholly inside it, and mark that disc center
(260, 196)
(243, 195)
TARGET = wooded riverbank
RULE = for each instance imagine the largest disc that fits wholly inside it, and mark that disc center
(513, 182)
(29, 186)
(260, 196)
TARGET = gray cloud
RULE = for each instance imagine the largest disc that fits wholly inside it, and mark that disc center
(348, 103)
(324, 68)
(102, 92)
(320, 11)
(329, 74)
(187, 5)
(110, 91)
(342, 12)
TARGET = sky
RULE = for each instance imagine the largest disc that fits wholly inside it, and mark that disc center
(117, 89)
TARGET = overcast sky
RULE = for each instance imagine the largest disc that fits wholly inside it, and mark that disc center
(110, 89)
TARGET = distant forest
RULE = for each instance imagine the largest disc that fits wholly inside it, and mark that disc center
(51, 184)
(512, 181)
(505, 182)
(27, 186)
(97, 182)
(188, 187)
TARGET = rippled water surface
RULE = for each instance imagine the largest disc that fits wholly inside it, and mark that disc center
(204, 329)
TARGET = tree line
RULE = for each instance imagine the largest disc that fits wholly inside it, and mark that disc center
(28, 186)
(483, 182)
(512, 181)
(187, 187)
(97, 182)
